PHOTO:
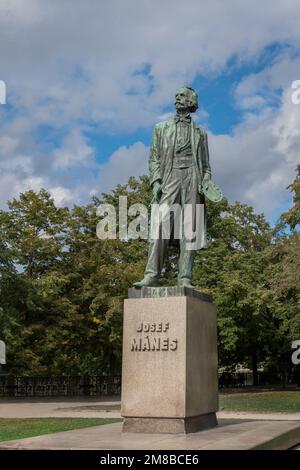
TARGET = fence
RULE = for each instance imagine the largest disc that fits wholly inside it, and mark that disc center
(237, 379)
(95, 386)
(59, 386)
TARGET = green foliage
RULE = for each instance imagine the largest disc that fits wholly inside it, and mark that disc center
(62, 288)
(232, 271)
(292, 217)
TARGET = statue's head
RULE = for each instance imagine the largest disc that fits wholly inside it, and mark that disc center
(186, 99)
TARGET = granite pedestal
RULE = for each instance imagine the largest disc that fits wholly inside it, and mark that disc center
(169, 374)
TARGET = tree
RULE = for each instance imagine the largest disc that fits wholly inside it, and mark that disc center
(34, 231)
(283, 277)
(71, 285)
(292, 217)
(232, 271)
(62, 288)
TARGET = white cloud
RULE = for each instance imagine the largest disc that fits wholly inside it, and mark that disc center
(123, 163)
(257, 163)
(11, 185)
(254, 165)
(8, 145)
(74, 151)
(84, 67)
(75, 67)
(62, 196)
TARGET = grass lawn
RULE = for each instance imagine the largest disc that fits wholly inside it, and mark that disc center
(29, 427)
(275, 401)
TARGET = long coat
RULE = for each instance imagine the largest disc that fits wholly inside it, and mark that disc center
(162, 151)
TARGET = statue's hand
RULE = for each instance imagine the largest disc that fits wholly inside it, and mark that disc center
(156, 190)
(206, 177)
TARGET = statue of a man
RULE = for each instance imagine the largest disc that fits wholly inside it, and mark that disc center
(179, 169)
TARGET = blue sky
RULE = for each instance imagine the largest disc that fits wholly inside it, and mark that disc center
(83, 94)
(216, 98)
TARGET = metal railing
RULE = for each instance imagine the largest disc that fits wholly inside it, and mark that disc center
(59, 386)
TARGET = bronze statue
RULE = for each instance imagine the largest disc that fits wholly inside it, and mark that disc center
(179, 174)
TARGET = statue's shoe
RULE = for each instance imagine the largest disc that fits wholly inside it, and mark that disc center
(148, 281)
(184, 283)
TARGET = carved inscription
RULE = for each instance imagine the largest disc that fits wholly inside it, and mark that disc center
(153, 337)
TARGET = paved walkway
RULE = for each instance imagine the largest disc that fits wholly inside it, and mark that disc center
(234, 431)
(95, 408)
(228, 435)
(58, 408)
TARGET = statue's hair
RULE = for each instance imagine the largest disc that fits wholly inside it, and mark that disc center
(192, 98)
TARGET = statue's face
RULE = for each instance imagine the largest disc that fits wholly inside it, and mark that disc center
(182, 100)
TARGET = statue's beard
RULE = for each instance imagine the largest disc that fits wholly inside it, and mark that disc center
(182, 108)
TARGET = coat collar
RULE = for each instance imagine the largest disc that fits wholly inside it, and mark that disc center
(195, 132)
(185, 118)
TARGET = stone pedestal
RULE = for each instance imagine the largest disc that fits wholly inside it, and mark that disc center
(169, 374)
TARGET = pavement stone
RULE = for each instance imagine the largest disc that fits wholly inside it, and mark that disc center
(228, 435)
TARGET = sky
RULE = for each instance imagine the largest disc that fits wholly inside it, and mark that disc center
(87, 80)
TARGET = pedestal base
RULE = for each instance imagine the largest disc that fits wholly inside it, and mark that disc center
(170, 366)
(170, 425)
